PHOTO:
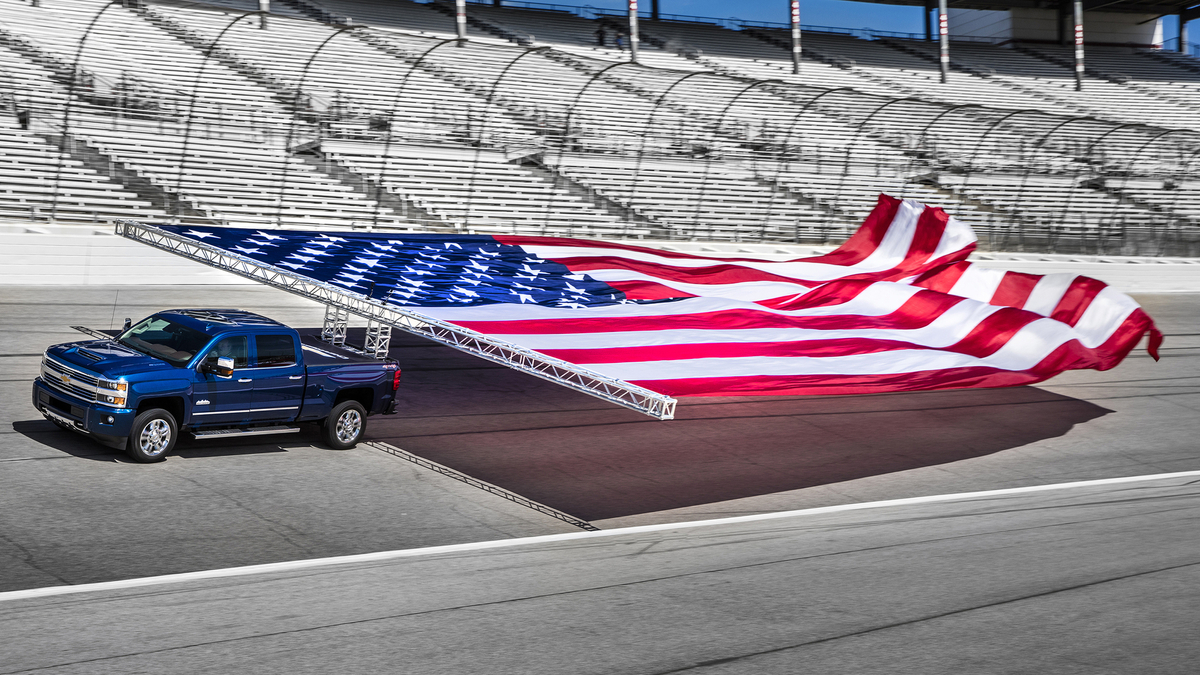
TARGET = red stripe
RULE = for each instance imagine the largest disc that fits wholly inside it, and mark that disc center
(868, 237)
(719, 273)
(1014, 289)
(833, 293)
(1077, 299)
(952, 257)
(730, 350)
(942, 279)
(921, 309)
(636, 289)
(989, 335)
(930, 227)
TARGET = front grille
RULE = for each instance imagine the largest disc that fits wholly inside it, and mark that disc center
(63, 369)
(78, 384)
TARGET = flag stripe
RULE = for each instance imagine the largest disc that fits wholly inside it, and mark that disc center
(1014, 289)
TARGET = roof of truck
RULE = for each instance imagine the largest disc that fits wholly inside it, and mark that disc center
(209, 320)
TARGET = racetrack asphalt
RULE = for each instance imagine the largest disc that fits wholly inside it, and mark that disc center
(1079, 580)
(74, 512)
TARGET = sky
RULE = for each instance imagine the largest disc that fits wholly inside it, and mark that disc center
(839, 13)
(836, 13)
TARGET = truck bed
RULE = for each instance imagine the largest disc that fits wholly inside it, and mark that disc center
(319, 353)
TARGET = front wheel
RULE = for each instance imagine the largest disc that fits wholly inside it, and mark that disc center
(152, 437)
(345, 425)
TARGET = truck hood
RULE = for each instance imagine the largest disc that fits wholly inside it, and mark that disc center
(107, 358)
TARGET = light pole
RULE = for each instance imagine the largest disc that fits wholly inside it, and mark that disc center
(633, 31)
(1078, 45)
(944, 36)
(796, 50)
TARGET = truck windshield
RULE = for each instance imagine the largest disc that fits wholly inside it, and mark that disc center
(164, 339)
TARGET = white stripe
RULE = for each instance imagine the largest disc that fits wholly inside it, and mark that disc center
(893, 249)
(1048, 292)
(1109, 308)
(978, 283)
(956, 237)
(294, 565)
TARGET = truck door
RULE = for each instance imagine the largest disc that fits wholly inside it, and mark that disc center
(224, 400)
(278, 378)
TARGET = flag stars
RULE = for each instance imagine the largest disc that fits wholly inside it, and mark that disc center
(423, 271)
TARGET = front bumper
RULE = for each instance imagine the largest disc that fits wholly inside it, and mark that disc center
(108, 425)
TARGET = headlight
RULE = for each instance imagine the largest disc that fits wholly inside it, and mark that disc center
(116, 385)
(114, 400)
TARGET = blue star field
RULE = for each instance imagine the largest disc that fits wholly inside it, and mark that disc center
(420, 270)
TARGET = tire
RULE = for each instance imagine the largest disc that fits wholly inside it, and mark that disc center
(152, 437)
(344, 427)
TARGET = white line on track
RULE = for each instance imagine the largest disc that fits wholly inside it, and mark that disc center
(524, 541)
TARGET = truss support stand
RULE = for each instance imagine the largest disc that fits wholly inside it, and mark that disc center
(340, 303)
(264, 6)
(944, 36)
(334, 329)
(379, 339)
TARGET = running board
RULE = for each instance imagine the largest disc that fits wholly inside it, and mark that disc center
(237, 433)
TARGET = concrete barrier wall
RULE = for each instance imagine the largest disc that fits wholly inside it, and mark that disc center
(75, 256)
(86, 257)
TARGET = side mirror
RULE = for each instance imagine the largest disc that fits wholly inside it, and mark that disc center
(128, 324)
(223, 367)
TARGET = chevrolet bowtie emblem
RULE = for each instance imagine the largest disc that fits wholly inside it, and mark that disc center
(66, 379)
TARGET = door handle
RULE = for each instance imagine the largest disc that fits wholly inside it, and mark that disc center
(246, 379)
(295, 377)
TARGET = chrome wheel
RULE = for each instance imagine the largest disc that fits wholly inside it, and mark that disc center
(349, 426)
(155, 438)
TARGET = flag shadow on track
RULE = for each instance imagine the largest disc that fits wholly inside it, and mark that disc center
(595, 460)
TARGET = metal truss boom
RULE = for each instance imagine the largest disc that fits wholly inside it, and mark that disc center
(513, 356)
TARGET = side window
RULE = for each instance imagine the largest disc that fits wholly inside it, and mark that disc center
(275, 350)
(231, 347)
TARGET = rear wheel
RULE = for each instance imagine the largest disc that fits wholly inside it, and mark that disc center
(345, 425)
(152, 437)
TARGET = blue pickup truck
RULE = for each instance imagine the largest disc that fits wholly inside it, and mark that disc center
(213, 373)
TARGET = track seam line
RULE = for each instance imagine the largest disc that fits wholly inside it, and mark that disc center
(553, 538)
(482, 485)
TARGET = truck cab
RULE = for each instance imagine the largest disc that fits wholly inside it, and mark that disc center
(214, 374)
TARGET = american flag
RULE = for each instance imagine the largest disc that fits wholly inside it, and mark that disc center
(896, 308)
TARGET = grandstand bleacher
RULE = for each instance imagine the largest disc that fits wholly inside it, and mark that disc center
(369, 114)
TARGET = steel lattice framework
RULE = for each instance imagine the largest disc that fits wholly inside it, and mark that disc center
(514, 356)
